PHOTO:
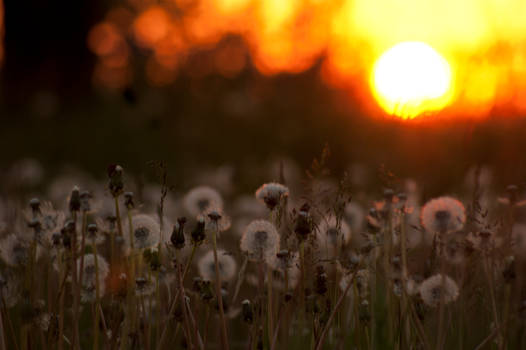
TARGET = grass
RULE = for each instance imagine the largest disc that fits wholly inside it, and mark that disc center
(416, 273)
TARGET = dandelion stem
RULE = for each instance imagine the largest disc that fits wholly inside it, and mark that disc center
(240, 278)
(97, 299)
(269, 305)
(319, 344)
(224, 337)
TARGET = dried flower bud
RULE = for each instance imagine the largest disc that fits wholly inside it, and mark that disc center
(74, 200)
(34, 204)
(206, 291)
(128, 200)
(177, 238)
(364, 312)
(198, 234)
(85, 197)
(116, 184)
(151, 256)
(35, 225)
(197, 284)
(56, 238)
(320, 283)
(70, 226)
(92, 229)
(304, 224)
(247, 311)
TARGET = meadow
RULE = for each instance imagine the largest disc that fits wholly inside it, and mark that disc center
(308, 259)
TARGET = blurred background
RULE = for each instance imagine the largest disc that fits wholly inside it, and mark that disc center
(240, 84)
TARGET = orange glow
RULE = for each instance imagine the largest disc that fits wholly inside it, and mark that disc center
(484, 42)
(410, 79)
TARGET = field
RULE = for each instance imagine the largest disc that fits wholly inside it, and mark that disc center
(309, 260)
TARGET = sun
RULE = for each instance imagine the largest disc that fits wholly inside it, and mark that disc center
(411, 79)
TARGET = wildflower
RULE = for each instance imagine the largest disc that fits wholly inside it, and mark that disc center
(304, 223)
(215, 219)
(226, 264)
(128, 200)
(437, 288)
(260, 240)
(198, 234)
(74, 200)
(34, 204)
(286, 270)
(284, 259)
(116, 184)
(177, 237)
(93, 235)
(271, 194)
(145, 232)
(89, 272)
(88, 292)
(443, 215)
(151, 257)
(14, 251)
(199, 199)
(247, 311)
(320, 282)
(85, 197)
(332, 235)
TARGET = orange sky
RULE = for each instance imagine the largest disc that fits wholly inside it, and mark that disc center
(484, 41)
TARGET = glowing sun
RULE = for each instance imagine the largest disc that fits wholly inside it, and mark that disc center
(411, 79)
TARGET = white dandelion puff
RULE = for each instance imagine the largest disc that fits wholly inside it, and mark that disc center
(260, 241)
(443, 215)
(14, 250)
(271, 194)
(216, 219)
(145, 232)
(89, 271)
(332, 234)
(226, 264)
(437, 288)
(199, 199)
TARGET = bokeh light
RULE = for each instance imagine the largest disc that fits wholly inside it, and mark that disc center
(410, 79)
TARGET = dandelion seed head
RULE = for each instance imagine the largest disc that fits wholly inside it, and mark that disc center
(216, 219)
(260, 241)
(145, 232)
(436, 288)
(14, 250)
(227, 266)
(271, 194)
(199, 199)
(443, 215)
(89, 270)
(332, 234)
